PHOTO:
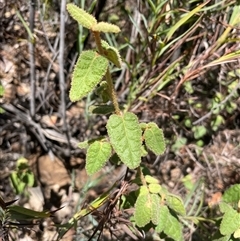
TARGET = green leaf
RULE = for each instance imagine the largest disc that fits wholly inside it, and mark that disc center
(83, 144)
(111, 54)
(155, 207)
(163, 215)
(154, 188)
(154, 139)
(199, 131)
(176, 204)
(143, 210)
(1, 90)
(106, 28)
(183, 20)
(144, 152)
(232, 194)
(98, 154)
(224, 207)
(151, 180)
(143, 190)
(101, 109)
(230, 222)
(173, 228)
(115, 160)
(21, 213)
(88, 72)
(237, 233)
(222, 238)
(143, 126)
(17, 183)
(125, 136)
(82, 17)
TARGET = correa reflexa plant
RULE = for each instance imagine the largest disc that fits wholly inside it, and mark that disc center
(127, 141)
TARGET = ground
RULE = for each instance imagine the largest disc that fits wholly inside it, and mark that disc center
(197, 174)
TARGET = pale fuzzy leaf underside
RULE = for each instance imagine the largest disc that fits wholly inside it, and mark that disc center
(106, 28)
(82, 17)
(98, 154)
(151, 180)
(88, 72)
(125, 136)
(112, 54)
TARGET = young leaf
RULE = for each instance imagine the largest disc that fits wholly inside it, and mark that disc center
(154, 139)
(143, 210)
(88, 72)
(237, 233)
(155, 206)
(163, 215)
(173, 228)
(230, 222)
(154, 188)
(97, 155)
(83, 145)
(125, 136)
(106, 28)
(151, 180)
(176, 204)
(143, 126)
(82, 17)
(111, 54)
(232, 194)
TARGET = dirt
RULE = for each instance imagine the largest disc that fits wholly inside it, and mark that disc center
(61, 178)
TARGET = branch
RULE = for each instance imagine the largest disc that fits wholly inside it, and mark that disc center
(32, 59)
(61, 71)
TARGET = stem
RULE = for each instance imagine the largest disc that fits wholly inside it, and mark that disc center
(140, 173)
(111, 90)
(61, 72)
(32, 59)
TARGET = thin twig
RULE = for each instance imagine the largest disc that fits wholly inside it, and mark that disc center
(32, 59)
(44, 31)
(31, 125)
(61, 71)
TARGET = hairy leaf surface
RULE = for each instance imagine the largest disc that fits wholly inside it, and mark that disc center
(143, 210)
(176, 204)
(88, 72)
(111, 53)
(163, 215)
(98, 154)
(154, 138)
(155, 207)
(230, 221)
(125, 136)
(82, 17)
(106, 28)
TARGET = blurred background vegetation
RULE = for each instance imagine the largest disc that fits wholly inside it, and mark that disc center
(181, 70)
